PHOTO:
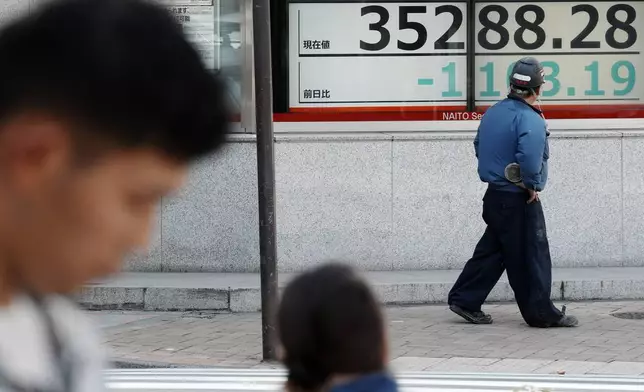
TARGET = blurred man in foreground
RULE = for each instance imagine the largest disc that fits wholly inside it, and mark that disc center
(515, 240)
(103, 104)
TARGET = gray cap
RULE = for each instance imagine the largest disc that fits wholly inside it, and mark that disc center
(527, 73)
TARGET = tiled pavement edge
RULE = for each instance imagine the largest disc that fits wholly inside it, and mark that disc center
(241, 292)
(422, 338)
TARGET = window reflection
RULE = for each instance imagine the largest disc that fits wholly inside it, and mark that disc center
(229, 45)
(214, 28)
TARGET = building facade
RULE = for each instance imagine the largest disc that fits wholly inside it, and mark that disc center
(376, 106)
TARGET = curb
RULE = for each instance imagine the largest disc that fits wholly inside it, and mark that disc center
(170, 299)
(122, 363)
(249, 299)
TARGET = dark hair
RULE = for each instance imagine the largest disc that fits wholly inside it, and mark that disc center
(525, 92)
(329, 322)
(527, 77)
(122, 70)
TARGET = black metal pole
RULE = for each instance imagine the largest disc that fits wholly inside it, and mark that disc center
(279, 62)
(471, 55)
(265, 172)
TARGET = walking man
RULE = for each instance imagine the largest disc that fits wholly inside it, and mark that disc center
(512, 131)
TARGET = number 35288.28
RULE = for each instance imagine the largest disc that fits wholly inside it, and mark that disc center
(529, 18)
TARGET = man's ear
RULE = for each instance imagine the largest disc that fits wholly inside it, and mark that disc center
(33, 148)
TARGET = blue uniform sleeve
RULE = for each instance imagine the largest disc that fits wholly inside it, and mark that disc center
(531, 143)
(476, 145)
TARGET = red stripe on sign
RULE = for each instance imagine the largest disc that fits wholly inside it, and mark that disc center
(354, 109)
(441, 113)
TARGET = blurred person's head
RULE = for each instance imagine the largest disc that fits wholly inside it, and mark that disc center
(103, 105)
(331, 329)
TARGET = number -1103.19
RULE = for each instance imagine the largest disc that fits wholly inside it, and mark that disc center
(622, 73)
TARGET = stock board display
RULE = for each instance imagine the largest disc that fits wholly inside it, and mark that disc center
(346, 54)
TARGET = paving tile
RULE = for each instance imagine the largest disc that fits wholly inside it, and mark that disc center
(523, 366)
(413, 364)
(620, 368)
(424, 332)
(458, 365)
(568, 367)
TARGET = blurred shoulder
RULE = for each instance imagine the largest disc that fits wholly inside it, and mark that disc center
(73, 322)
(81, 335)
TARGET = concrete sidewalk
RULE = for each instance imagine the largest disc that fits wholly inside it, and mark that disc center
(422, 338)
(241, 293)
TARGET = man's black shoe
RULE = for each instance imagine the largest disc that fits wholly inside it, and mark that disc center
(566, 321)
(472, 317)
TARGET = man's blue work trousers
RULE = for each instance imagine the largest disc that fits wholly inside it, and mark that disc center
(515, 241)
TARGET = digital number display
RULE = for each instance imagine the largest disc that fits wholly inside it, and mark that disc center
(527, 30)
(366, 55)
(414, 54)
(405, 13)
(590, 51)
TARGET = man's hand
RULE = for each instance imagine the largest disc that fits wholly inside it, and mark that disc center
(534, 196)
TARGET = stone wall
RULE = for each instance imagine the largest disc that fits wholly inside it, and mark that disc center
(397, 201)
